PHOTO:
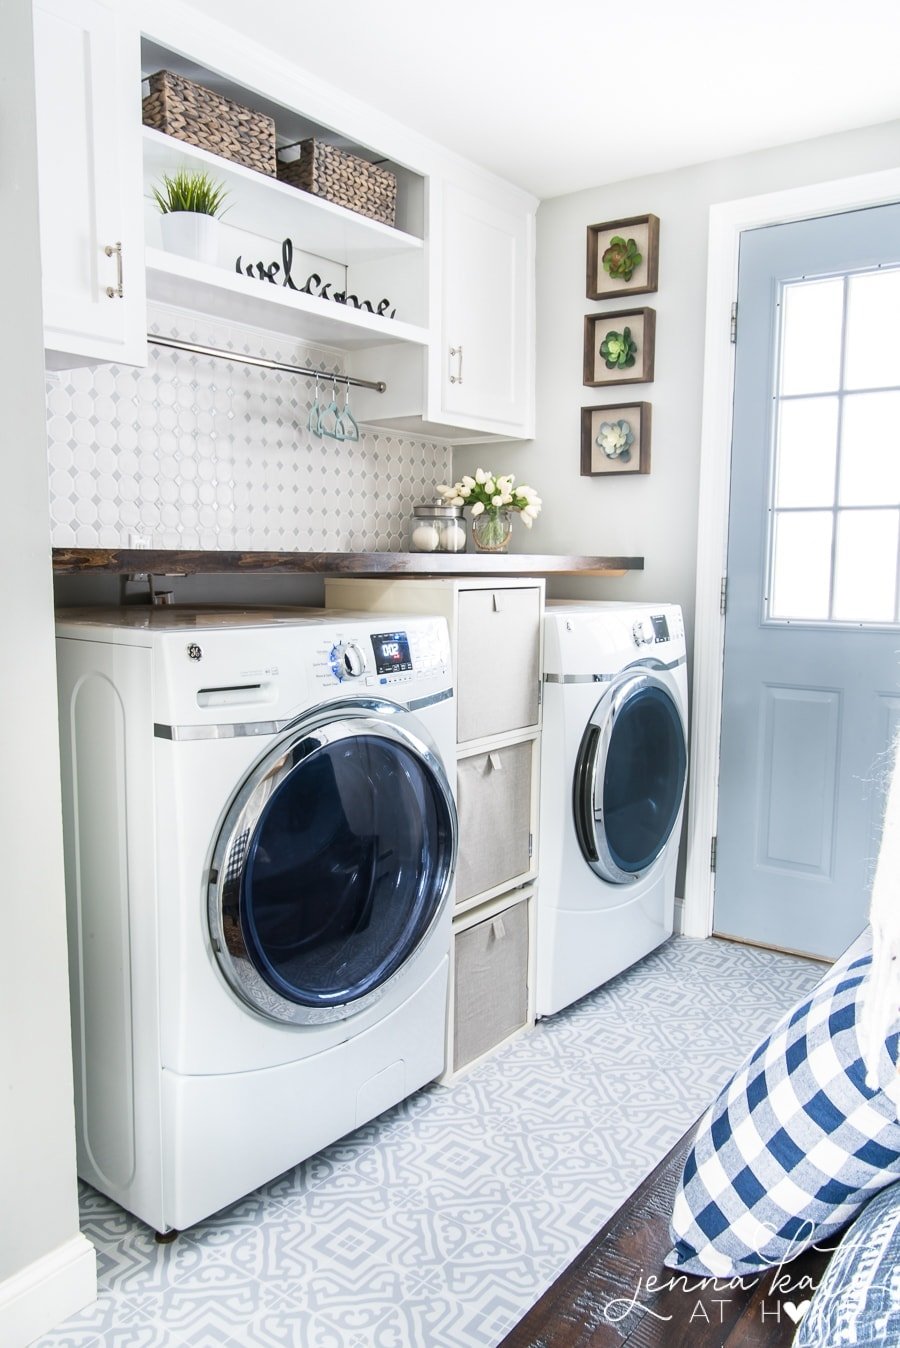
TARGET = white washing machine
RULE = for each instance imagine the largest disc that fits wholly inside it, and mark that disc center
(260, 841)
(614, 765)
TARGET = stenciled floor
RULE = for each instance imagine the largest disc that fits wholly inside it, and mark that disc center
(440, 1223)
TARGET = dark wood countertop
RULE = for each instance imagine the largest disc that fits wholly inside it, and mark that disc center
(112, 561)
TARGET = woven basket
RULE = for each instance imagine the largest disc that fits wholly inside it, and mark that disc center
(187, 111)
(342, 178)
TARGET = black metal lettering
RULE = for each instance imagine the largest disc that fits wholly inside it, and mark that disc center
(287, 258)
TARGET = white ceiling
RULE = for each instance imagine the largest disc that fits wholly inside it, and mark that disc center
(559, 95)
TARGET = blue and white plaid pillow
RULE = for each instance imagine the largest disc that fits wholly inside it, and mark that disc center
(795, 1144)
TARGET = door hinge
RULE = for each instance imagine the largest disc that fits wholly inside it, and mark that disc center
(530, 846)
(713, 849)
(723, 595)
(734, 323)
(540, 692)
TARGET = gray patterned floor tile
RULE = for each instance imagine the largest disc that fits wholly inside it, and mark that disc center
(438, 1224)
(200, 1316)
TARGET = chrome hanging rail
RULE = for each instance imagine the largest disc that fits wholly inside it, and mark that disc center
(378, 385)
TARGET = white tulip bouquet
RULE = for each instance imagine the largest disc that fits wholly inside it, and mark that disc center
(492, 492)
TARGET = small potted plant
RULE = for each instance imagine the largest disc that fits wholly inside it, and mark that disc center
(492, 498)
(191, 203)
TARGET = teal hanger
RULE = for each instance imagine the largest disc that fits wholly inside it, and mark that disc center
(346, 420)
(334, 431)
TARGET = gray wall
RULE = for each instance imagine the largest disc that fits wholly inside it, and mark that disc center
(655, 516)
(36, 1120)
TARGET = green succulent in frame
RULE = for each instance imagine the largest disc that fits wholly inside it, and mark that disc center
(615, 439)
(618, 349)
(621, 258)
(190, 190)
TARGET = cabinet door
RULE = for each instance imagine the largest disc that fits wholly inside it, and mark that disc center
(87, 76)
(484, 368)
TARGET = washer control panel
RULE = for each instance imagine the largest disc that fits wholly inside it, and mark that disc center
(651, 631)
(385, 657)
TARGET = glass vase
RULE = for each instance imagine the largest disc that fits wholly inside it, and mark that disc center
(491, 529)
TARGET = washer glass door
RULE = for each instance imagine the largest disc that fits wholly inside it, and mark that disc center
(333, 864)
(629, 777)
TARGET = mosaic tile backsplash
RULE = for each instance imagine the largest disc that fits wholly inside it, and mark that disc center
(196, 452)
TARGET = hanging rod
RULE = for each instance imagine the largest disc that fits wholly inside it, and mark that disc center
(324, 375)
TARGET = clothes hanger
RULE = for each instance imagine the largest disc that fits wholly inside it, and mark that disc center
(335, 431)
(346, 420)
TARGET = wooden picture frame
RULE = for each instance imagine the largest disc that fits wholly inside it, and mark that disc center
(641, 325)
(635, 458)
(644, 229)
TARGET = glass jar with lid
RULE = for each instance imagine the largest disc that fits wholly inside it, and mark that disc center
(437, 528)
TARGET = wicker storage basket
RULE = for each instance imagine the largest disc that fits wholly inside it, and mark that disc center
(187, 111)
(342, 178)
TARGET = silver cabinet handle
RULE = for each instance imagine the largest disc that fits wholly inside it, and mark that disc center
(457, 352)
(116, 292)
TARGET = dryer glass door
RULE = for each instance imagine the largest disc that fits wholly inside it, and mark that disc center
(629, 777)
(333, 866)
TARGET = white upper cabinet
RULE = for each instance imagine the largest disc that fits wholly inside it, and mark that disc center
(88, 127)
(439, 306)
(484, 377)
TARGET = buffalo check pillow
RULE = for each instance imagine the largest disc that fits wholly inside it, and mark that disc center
(794, 1145)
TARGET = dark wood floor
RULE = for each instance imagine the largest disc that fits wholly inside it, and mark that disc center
(602, 1299)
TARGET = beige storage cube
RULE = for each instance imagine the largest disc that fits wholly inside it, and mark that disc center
(497, 661)
(495, 799)
(490, 985)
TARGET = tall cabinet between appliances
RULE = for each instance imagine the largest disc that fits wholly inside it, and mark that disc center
(495, 634)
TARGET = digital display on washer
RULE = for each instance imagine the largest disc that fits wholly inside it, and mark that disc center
(660, 628)
(391, 652)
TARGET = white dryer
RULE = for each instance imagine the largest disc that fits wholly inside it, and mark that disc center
(614, 764)
(260, 837)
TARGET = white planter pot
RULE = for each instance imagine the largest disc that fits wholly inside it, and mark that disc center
(191, 235)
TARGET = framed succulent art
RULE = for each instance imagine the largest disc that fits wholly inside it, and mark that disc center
(615, 441)
(618, 347)
(623, 257)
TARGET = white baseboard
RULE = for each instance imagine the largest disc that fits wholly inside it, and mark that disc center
(48, 1291)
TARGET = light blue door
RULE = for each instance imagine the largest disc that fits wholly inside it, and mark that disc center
(812, 640)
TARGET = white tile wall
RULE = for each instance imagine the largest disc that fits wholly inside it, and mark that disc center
(194, 452)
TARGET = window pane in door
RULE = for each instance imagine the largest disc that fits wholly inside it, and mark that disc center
(873, 332)
(865, 573)
(801, 564)
(812, 322)
(870, 450)
(805, 452)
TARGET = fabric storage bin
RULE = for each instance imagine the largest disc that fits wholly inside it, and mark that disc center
(490, 982)
(344, 178)
(199, 116)
(494, 799)
(497, 661)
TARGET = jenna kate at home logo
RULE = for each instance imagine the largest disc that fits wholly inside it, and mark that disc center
(783, 1295)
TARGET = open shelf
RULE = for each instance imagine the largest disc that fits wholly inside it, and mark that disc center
(234, 298)
(265, 206)
(86, 561)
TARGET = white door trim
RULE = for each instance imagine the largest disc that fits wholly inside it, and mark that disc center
(726, 222)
